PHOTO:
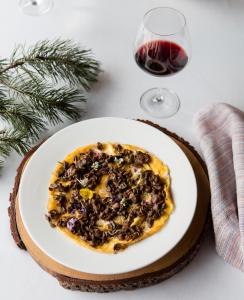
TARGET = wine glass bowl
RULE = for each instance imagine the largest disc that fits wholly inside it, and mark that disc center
(161, 57)
(35, 7)
(162, 48)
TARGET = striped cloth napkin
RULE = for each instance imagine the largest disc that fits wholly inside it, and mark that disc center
(220, 130)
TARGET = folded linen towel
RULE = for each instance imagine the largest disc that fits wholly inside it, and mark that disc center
(220, 130)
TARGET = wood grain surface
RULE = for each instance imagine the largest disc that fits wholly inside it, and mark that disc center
(156, 272)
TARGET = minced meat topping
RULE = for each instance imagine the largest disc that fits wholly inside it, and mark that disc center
(135, 196)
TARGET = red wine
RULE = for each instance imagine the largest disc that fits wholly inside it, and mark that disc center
(161, 57)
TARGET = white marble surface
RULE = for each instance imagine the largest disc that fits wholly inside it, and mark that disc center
(214, 74)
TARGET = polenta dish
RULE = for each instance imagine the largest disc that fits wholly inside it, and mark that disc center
(108, 196)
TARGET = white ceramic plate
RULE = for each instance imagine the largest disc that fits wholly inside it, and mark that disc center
(33, 194)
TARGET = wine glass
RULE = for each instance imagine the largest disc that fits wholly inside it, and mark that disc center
(162, 48)
(35, 7)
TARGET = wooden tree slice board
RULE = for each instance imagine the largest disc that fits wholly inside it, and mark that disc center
(156, 272)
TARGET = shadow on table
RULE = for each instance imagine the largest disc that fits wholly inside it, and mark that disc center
(98, 101)
(103, 81)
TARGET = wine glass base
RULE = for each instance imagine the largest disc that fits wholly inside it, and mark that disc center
(160, 102)
(35, 7)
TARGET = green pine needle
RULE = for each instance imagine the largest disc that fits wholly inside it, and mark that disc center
(51, 103)
(13, 140)
(41, 85)
(21, 117)
(59, 60)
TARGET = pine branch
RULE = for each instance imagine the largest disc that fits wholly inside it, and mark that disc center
(60, 60)
(51, 103)
(57, 103)
(39, 86)
(21, 117)
(13, 140)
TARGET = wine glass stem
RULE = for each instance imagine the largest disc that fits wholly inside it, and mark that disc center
(158, 99)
